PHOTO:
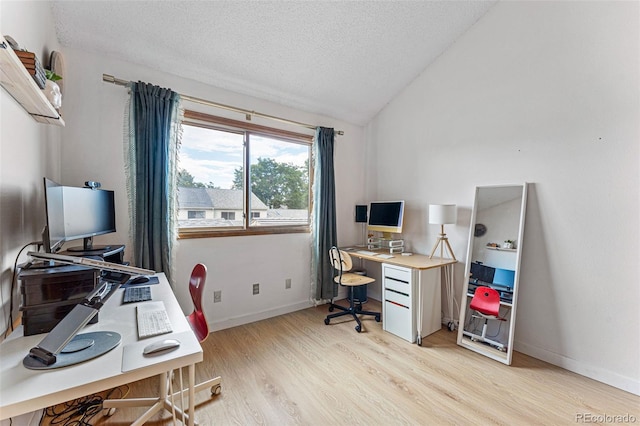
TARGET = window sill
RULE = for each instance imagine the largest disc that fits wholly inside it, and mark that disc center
(209, 233)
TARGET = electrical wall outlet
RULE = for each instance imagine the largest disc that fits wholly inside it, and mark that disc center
(217, 296)
(256, 289)
(287, 283)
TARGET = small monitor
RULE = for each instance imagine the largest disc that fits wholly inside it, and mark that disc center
(504, 277)
(386, 217)
(482, 273)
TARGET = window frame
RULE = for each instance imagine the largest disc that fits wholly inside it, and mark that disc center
(213, 122)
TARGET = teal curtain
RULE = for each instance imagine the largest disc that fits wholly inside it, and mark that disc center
(153, 125)
(324, 214)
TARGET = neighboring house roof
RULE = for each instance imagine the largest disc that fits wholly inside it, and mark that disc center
(210, 198)
(194, 198)
(288, 213)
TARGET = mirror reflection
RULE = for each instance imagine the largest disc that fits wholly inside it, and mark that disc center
(487, 316)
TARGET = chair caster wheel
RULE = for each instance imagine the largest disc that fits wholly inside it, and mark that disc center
(216, 390)
(451, 326)
(331, 308)
(358, 328)
(110, 411)
(326, 321)
(377, 318)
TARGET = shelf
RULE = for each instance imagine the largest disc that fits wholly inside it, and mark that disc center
(501, 249)
(19, 84)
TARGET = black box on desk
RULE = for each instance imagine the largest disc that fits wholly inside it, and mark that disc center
(48, 294)
(43, 318)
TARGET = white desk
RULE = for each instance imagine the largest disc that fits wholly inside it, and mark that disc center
(417, 263)
(23, 390)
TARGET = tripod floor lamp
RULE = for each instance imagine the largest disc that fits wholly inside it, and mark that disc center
(442, 214)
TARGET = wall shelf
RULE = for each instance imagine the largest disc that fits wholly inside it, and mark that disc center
(501, 249)
(19, 84)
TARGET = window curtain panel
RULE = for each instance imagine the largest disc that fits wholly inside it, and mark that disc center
(152, 127)
(324, 215)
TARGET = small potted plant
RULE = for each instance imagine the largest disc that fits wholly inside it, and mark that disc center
(508, 244)
(52, 90)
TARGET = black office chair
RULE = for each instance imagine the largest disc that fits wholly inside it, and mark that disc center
(341, 262)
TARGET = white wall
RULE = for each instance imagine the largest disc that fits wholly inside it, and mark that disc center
(543, 92)
(92, 149)
(28, 150)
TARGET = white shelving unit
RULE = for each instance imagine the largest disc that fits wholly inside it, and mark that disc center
(19, 84)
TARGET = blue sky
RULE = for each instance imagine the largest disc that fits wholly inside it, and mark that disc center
(212, 156)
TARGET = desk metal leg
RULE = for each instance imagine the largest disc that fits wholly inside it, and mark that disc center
(420, 311)
(163, 401)
(192, 394)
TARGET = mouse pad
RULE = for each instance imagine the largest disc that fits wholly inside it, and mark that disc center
(132, 357)
(152, 280)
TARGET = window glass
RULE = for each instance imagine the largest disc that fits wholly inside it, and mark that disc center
(212, 180)
(279, 182)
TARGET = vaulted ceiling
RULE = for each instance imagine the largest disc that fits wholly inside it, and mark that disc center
(343, 59)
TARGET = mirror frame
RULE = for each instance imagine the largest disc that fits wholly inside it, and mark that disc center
(484, 349)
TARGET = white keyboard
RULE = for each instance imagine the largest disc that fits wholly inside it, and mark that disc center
(152, 319)
(368, 253)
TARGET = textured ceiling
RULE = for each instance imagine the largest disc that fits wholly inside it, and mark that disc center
(343, 59)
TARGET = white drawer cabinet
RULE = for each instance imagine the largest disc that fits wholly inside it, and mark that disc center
(402, 288)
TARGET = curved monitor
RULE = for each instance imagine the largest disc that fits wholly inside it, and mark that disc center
(75, 213)
(386, 217)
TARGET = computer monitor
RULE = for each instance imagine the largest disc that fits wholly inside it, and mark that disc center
(482, 273)
(386, 217)
(504, 277)
(74, 213)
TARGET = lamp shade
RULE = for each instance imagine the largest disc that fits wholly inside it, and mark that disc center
(441, 214)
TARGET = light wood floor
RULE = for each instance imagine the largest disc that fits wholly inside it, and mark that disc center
(294, 370)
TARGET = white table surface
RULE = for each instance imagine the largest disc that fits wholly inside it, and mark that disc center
(23, 390)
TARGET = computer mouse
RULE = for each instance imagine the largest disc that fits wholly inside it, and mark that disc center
(160, 346)
(140, 279)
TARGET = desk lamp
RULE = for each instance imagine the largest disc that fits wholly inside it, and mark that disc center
(442, 214)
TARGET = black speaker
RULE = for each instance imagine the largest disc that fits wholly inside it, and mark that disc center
(361, 213)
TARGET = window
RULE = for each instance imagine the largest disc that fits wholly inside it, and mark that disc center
(242, 178)
(196, 214)
(228, 215)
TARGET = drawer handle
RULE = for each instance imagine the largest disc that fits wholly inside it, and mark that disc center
(396, 280)
(397, 292)
(397, 304)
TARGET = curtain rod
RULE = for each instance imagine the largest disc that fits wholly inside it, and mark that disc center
(248, 114)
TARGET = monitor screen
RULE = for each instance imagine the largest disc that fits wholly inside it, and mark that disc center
(482, 273)
(504, 277)
(386, 216)
(77, 213)
(87, 212)
(53, 234)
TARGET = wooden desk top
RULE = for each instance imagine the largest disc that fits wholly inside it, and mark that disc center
(415, 261)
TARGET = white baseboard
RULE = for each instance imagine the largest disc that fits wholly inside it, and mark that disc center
(628, 384)
(258, 316)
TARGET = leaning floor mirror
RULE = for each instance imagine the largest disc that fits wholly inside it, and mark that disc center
(490, 289)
